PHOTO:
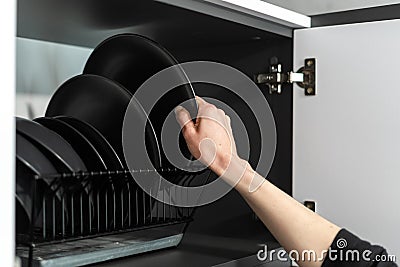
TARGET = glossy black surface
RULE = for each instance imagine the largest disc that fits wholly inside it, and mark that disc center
(79, 143)
(83, 97)
(105, 150)
(32, 157)
(102, 146)
(22, 220)
(130, 60)
(30, 161)
(89, 155)
(59, 151)
(24, 183)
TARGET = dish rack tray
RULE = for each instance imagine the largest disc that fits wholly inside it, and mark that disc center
(90, 217)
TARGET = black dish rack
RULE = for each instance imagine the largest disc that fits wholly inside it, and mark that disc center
(89, 217)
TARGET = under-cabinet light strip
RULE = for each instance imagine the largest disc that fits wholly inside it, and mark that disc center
(258, 7)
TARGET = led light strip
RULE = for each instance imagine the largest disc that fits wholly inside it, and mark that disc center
(258, 7)
(254, 13)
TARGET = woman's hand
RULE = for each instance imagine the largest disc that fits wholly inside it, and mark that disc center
(210, 139)
(296, 227)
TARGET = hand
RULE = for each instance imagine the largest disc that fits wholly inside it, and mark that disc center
(210, 139)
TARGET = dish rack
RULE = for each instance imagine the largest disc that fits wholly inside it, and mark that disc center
(76, 223)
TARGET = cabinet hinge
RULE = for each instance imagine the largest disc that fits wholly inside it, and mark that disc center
(304, 77)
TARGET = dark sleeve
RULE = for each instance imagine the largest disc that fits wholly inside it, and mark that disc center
(349, 250)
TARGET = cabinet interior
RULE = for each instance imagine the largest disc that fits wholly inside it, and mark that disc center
(189, 36)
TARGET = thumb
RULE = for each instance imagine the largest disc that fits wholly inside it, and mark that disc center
(184, 119)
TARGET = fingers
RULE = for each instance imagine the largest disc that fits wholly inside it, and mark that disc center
(228, 120)
(184, 120)
(228, 123)
(183, 117)
(208, 110)
(200, 101)
(204, 105)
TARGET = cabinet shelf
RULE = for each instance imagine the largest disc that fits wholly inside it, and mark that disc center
(86, 23)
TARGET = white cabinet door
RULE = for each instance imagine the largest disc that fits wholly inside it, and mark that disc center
(346, 150)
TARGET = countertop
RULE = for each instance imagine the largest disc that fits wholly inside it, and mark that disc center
(224, 233)
(197, 250)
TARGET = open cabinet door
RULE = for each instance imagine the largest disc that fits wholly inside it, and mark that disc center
(347, 137)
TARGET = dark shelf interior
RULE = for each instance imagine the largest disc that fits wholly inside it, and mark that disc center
(189, 36)
(86, 23)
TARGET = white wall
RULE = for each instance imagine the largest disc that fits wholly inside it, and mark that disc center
(31, 105)
(41, 68)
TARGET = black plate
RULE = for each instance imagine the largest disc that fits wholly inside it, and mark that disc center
(57, 150)
(130, 60)
(89, 155)
(25, 177)
(102, 103)
(34, 160)
(30, 161)
(102, 146)
(23, 187)
(60, 152)
(105, 150)
(32, 157)
(65, 160)
(22, 220)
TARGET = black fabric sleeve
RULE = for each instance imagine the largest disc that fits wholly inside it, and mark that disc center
(349, 250)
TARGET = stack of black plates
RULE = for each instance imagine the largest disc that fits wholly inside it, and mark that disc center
(82, 127)
(40, 152)
(48, 148)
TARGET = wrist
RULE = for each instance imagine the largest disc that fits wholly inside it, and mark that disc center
(231, 168)
(250, 181)
(238, 173)
(223, 162)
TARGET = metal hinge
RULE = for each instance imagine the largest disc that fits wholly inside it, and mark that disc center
(304, 77)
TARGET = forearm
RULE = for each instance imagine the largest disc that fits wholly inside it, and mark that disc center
(293, 225)
(211, 141)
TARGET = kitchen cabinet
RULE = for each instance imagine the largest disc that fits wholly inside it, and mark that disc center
(337, 148)
(346, 138)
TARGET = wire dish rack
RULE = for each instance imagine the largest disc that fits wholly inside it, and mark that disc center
(88, 217)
